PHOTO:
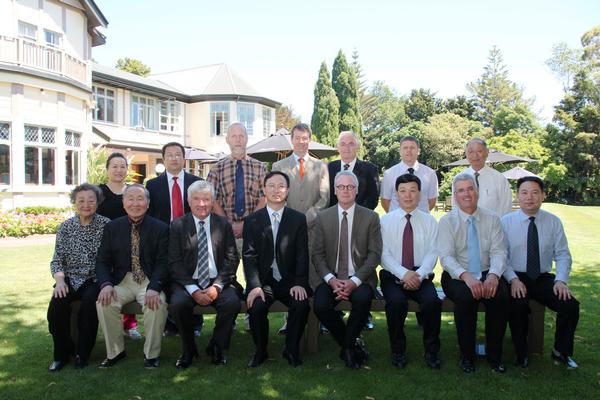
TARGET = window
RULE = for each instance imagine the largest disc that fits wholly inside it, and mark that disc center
(4, 154)
(169, 116)
(267, 119)
(53, 39)
(105, 104)
(143, 112)
(40, 155)
(219, 118)
(245, 113)
(27, 31)
(72, 157)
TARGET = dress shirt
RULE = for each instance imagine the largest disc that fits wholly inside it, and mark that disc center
(425, 231)
(297, 158)
(274, 266)
(452, 242)
(429, 184)
(552, 241)
(180, 182)
(212, 267)
(351, 165)
(350, 217)
(494, 191)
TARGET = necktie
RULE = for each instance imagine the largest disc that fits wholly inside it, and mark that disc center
(203, 274)
(411, 171)
(275, 228)
(533, 250)
(473, 249)
(343, 250)
(176, 200)
(240, 194)
(477, 179)
(301, 161)
(346, 166)
(136, 267)
(408, 256)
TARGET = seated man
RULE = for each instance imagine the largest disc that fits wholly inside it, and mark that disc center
(132, 265)
(203, 260)
(473, 255)
(408, 258)
(276, 267)
(535, 238)
(346, 251)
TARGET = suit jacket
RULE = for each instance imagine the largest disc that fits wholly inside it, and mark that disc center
(366, 244)
(160, 200)
(113, 260)
(183, 250)
(291, 249)
(308, 195)
(368, 183)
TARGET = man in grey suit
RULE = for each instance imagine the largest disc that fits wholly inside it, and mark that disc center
(346, 250)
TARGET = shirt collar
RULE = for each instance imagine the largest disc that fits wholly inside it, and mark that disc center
(350, 211)
(296, 157)
(206, 220)
(406, 166)
(351, 165)
(465, 217)
(178, 176)
(270, 211)
(526, 217)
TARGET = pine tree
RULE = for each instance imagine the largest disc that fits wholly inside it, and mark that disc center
(325, 122)
(343, 78)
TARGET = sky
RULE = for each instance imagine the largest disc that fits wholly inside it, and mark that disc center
(278, 46)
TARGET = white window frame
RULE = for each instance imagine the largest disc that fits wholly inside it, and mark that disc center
(57, 35)
(73, 144)
(143, 112)
(24, 26)
(267, 111)
(104, 99)
(5, 141)
(219, 115)
(169, 121)
(243, 111)
(40, 145)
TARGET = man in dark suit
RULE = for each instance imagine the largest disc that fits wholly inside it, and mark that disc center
(346, 250)
(275, 259)
(368, 177)
(132, 265)
(203, 260)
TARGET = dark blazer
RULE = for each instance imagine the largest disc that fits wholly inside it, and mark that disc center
(114, 255)
(183, 250)
(291, 249)
(368, 183)
(366, 245)
(160, 201)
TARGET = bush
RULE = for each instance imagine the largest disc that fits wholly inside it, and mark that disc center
(38, 210)
(20, 224)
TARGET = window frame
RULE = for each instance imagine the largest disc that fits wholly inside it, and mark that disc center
(172, 117)
(40, 145)
(105, 99)
(243, 113)
(5, 141)
(28, 26)
(224, 120)
(141, 115)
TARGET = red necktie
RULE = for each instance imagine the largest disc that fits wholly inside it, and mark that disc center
(176, 203)
(301, 168)
(408, 254)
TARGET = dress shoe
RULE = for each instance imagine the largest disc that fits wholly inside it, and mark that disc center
(109, 362)
(564, 359)
(399, 360)
(216, 355)
(522, 362)
(433, 361)
(257, 359)
(348, 355)
(57, 365)
(151, 363)
(185, 360)
(293, 360)
(80, 362)
(369, 325)
(361, 352)
(498, 367)
(467, 365)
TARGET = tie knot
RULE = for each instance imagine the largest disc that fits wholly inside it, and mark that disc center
(477, 174)
(201, 224)
(346, 166)
(344, 213)
(408, 216)
(275, 215)
(175, 178)
(411, 171)
(471, 219)
(532, 219)
(301, 160)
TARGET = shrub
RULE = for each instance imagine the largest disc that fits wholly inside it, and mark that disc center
(20, 224)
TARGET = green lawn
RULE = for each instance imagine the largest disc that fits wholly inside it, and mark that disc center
(26, 350)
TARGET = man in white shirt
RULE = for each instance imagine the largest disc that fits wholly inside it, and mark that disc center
(409, 152)
(535, 238)
(473, 254)
(409, 256)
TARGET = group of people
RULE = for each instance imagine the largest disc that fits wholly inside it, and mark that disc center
(308, 229)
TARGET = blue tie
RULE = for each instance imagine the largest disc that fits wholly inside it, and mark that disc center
(240, 195)
(203, 273)
(473, 249)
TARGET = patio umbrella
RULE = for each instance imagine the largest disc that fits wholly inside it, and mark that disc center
(279, 146)
(494, 157)
(517, 172)
(198, 155)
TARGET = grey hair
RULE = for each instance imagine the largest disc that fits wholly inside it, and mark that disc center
(346, 173)
(352, 133)
(476, 140)
(87, 186)
(201, 186)
(464, 176)
(238, 124)
(138, 186)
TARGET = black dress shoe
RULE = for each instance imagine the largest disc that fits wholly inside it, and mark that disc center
(216, 355)
(433, 361)
(80, 362)
(57, 365)
(467, 365)
(293, 360)
(348, 355)
(522, 362)
(563, 359)
(257, 359)
(151, 363)
(185, 360)
(109, 362)
(361, 353)
(399, 360)
(497, 367)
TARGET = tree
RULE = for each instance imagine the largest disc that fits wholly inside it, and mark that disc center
(565, 63)
(325, 121)
(285, 117)
(422, 104)
(134, 66)
(343, 78)
(365, 100)
(461, 106)
(518, 118)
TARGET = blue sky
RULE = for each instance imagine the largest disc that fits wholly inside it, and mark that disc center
(278, 46)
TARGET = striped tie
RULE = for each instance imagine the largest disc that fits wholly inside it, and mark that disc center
(203, 275)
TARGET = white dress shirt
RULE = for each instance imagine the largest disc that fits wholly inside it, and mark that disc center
(427, 176)
(350, 217)
(494, 191)
(297, 158)
(212, 266)
(552, 241)
(351, 165)
(425, 231)
(274, 267)
(452, 242)
(180, 183)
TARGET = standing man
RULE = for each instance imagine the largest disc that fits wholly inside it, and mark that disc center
(535, 238)
(409, 152)
(276, 267)
(473, 255)
(203, 260)
(346, 251)
(409, 256)
(132, 265)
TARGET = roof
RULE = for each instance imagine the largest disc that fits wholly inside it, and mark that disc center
(95, 18)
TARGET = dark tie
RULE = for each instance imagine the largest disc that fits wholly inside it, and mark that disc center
(240, 194)
(477, 179)
(203, 273)
(408, 252)
(533, 250)
(343, 251)
(346, 166)
(411, 171)
(176, 200)
(136, 266)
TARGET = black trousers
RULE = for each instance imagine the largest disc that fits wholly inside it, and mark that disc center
(296, 322)
(182, 309)
(465, 316)
(396, 309)
(59, 322)
(344, 334)
(567, 314)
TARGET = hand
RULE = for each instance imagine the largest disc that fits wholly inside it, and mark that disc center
(518, 290)
(213, 292)
(411, 281)
(60, 289)
(490, 285)
(562, 291)
(238, 228)
(298, 293)
(107, 295)
(474, 285)
(200, 297)
(336, 284)
(152, 299)
(254, 293)
(347, 289)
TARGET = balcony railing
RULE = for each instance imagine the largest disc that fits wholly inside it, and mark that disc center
(27, 53)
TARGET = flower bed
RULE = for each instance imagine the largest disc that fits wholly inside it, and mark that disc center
(20, 224)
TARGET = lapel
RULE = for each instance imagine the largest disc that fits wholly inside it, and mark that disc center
(265, 223)
(293, 168)
(189, 229)
(334, 230)
(357, 167)
(215, 235)
(164, 190)
(357, 220)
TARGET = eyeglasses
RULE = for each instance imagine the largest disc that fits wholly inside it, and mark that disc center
(345, 187)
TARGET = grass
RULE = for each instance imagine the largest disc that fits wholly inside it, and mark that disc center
(26, 350)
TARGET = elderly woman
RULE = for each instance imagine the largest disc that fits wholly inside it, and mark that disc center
(73, 268)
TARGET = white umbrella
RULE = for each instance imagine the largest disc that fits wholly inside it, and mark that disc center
(517, 172)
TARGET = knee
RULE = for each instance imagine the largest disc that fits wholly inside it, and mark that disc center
(300, 306)
(570, 306)
(259, 307)
(433, 305)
